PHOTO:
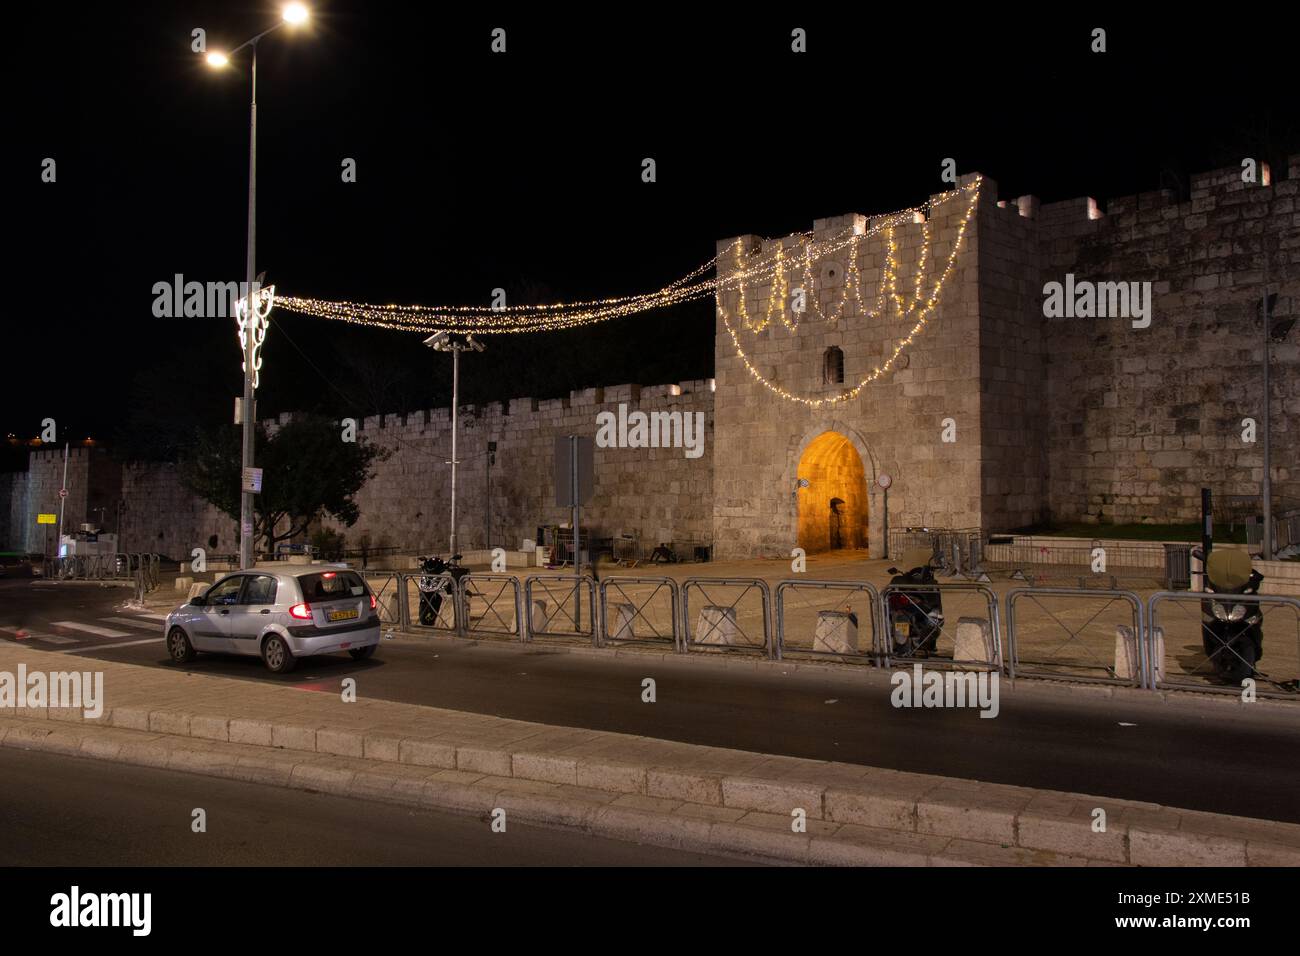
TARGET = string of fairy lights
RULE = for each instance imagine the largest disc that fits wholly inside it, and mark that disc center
(773, 269)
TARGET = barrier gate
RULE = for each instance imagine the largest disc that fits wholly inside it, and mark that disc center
(1191, 667)
(834, 632)
(1090, 644)
(559, 612)
(639, 623)
(727, 627)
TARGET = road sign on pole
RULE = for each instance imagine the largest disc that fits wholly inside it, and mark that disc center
(252, 481)
(575, 466)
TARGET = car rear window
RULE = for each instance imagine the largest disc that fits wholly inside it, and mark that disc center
(331, 585)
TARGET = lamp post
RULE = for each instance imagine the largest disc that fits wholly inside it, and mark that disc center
(251, 313)
(455, 344)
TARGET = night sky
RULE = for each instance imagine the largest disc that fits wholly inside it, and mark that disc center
(522, 171)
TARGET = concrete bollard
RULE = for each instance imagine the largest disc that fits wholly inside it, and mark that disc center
(390, 609)
(621, 625)
(1126, 652)
(837, 632)
(717, 625)
(196, 589)
(537, 618)
(1158, 654)
(183, 583)
(974, 644)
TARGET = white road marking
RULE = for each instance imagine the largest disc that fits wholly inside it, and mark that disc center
(91, 629)
(91, 648)
(152, 617)
(134, 622)
(31, 635)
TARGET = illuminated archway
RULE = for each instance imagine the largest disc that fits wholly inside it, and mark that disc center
(833, 503)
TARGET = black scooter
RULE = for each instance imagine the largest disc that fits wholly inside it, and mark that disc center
(915, 616)
(438, 581)
(1231, 634)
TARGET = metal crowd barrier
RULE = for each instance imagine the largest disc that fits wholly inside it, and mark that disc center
(1090, 659)
(948, 630)
(559, 612)
(391, 597)
(633, 622)
(1277, 646)
(825, 641)
(489, 591)
(725, 630)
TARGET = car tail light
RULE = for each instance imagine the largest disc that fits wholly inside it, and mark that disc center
(373, 602)
(899, 602)
(301, 611)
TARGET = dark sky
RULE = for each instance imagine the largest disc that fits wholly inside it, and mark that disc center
(523, 171)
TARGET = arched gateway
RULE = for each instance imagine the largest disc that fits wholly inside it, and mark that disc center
(833, 503)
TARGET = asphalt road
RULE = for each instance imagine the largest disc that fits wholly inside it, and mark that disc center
(1213, 758)
(72, 811)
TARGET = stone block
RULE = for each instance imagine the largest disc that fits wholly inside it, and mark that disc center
(974, 643)
(837, 632)
(620, 625)
(717, 625)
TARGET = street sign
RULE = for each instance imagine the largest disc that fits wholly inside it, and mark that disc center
(46, 519)
(252, 480)
(63, 492)
(564, 468)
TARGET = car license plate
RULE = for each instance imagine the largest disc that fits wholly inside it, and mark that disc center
(343, 615)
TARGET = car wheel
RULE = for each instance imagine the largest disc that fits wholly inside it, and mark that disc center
(179, 647)
(361, 653)
(275, 652)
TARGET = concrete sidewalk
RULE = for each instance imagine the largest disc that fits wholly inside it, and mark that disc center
(650, 791)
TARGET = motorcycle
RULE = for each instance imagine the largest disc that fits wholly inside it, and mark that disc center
(1231, 634)
(915, 616)
(439, 580)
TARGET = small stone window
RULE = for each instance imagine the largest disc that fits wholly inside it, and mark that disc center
(833, 366)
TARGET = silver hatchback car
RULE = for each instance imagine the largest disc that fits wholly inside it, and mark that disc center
(278, 615)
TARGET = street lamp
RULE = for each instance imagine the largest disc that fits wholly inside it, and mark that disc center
(455, 344)
(252, 313)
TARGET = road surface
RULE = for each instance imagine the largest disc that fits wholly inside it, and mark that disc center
(1219, 759)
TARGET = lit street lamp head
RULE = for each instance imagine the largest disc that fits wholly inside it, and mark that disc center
(218, 60)
(295, 13)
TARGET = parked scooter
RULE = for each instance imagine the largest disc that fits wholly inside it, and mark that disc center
(1232, 634)
(439, 580)
(915, 616)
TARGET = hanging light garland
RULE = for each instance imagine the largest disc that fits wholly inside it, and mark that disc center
(773, 269)
(487, 320)
(888, 280)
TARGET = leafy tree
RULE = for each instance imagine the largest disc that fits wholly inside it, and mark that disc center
(307, 471)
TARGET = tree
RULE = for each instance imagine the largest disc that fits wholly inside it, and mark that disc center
(307, 471)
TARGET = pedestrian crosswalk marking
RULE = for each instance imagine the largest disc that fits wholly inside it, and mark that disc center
(91, 629)
(132, 622)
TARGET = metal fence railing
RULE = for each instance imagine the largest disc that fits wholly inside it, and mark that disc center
(490, 605)
(973, 602)
(563, 607)
(1106, 635)
(1078, 634)
(836, 619)
(1182, 647)
(640, 610)
(740, 624)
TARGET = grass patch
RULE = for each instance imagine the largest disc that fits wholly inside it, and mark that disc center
(1190, 533)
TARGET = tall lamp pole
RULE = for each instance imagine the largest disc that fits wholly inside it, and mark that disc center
(251, 313)
(455, 344)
